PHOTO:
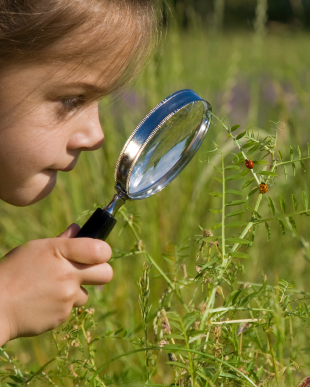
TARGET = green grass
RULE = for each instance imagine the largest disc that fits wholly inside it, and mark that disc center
(245, 86)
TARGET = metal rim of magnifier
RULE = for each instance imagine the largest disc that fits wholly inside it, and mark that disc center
(146, 130)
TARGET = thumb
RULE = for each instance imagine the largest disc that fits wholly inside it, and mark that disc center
(71, 231)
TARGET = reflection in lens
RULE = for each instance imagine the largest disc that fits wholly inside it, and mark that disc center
(165, 149)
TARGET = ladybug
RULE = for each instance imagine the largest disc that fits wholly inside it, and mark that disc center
(263, 188)
(249, 164)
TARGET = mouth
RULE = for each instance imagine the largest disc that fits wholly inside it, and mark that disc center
(68, 168)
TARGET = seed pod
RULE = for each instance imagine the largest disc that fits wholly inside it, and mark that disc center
(263, 188)
(249, 164)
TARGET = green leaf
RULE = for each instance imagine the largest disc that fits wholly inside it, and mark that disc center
(280, 156)
(236, 224)
(282, 204)
(245, 172)
(189, 321)
(305, 199)
(292, 222)
(232, 167)
(235, 127)
(240, 157)
(294, 169)
(175, 336)
(218, 179)
(291, 153)
(215, 211)
(207, 265)
(248, 144)
(216, 376)
(246, 300)
(234, 213)
(232, 298)
(238, 240)
(259, 373)
(241, 135)
(178, 364)
(253, 211)
(215, 226)
(285, 171)
(267, 173)
(237, 254)
(216, 193)
(218, 169)
(268, 231)
(299, 151)
(175, 324)
(226, 375)
(235, 203)
(16, 378)
(234, 192)
(294, 202)
(233, 177)
(203, 376)
(252, 150)
(252, 192)
(282, 226)
(260, 162)
(271, 206)
(248, 182)
(303, 166)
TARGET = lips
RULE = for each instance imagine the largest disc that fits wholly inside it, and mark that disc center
(68, 168)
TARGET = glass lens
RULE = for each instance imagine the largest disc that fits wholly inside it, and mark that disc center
(170, 143)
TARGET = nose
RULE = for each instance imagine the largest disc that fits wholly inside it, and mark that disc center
(87, 132)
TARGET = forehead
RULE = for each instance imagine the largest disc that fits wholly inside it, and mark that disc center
(36, 78)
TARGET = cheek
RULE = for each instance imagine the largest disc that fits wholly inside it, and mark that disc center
(29, 144)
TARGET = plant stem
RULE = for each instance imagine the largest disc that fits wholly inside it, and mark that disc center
(176, 349)
(281, 216)
(223, 210)
(238, 146)
(273, 357)
(191, 366)
(153, 262)
(235, 321)
(291, 161)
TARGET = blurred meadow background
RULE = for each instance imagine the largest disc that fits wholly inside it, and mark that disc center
(250, 59)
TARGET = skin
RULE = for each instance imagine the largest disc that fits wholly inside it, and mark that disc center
(48, 116)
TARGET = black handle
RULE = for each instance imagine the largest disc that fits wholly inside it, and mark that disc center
(98, 226)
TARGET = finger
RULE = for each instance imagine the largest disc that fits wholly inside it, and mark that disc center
(81, 298)
(82, 250)
(71, 231)
(99, 274)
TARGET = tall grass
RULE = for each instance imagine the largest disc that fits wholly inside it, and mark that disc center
(81, 352)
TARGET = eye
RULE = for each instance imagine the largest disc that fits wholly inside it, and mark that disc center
(72, 103)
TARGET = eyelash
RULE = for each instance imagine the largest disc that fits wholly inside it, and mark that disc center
(72, 103)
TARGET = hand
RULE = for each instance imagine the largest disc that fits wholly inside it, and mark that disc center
(41, 282)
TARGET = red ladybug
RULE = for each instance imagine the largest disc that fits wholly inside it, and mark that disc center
(249, 164)
(263, 188)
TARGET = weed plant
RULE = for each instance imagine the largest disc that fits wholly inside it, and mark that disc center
(210, 326)
(227, 307)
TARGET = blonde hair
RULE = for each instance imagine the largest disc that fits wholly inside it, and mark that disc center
(88, 30)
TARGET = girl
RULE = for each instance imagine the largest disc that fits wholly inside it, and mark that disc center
(57, 58)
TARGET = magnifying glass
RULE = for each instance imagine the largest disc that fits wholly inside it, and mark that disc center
(157, 151)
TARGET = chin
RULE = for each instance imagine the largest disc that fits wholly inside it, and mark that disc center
(26, 197)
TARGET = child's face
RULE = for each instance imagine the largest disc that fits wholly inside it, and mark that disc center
(48, 115)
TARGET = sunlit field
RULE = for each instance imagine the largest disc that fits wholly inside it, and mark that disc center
(262, 83)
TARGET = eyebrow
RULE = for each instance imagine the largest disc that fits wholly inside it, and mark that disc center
(89, 87)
